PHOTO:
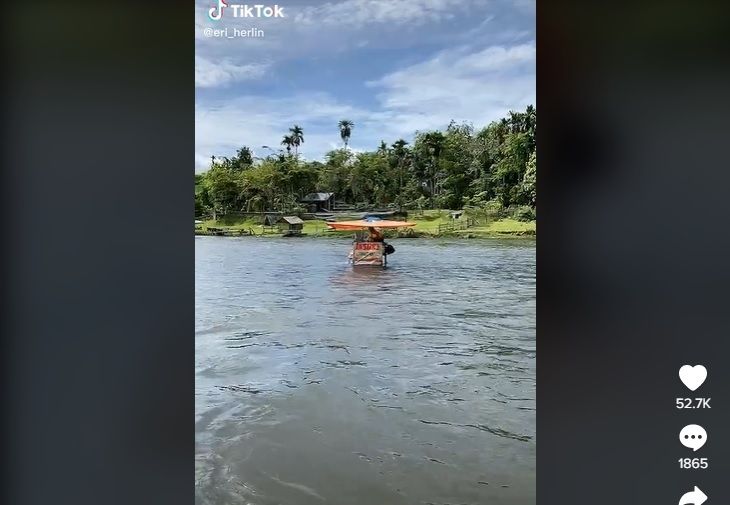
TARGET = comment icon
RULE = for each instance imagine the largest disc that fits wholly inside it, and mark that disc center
(693, 436)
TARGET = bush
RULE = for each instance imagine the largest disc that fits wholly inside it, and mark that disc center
(493, 210)
(493, 206)
(524, 213)
(485, 211)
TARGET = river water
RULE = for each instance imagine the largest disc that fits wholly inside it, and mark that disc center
(316, 383)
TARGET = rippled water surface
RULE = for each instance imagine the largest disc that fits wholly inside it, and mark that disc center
(316, 383)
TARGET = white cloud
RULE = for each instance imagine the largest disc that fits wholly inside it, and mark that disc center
(222, 126)
(474, 86)
(495, 58)
(325, 29)
(526, 6)
(477, 86)
(364, 12)
(209, 74)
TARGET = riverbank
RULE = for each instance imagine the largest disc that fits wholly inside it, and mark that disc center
(429, 224)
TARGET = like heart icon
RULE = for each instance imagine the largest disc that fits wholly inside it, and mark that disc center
(693, 376)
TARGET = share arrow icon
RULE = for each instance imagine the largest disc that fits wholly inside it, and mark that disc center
(696, 497)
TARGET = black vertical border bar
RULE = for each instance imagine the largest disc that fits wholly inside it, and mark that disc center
(97, 253)
(633, 254)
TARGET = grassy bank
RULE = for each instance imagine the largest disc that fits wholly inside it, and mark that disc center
(429, 224)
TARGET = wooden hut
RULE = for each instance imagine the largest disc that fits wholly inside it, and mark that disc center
(291, 226)
(319, 202)
(270, 223)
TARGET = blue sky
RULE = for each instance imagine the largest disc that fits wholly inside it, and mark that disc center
(392, 66)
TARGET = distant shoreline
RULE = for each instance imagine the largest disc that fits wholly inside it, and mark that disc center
(433, 224)
(465, 236)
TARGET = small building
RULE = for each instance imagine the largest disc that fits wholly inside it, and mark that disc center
(270, 223)
(319, 202)
(456, 214)
(291, 226)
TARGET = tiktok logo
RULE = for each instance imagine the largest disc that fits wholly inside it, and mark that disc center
(215, 13)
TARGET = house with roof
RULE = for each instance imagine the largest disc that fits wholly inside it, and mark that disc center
(319, 202)
(291, 226)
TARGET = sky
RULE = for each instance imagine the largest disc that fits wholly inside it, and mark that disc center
(393, 67)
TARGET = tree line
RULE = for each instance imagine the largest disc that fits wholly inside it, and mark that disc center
(495, 166)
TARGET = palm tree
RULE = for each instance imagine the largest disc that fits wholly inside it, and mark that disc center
(346, 127)
(399, 146)
(531, 117)
(434, 141)
(531, 125)
(516, 123)
(400, 152)
(244, 158)
(503, 128)
(288, 141)
(297, 137)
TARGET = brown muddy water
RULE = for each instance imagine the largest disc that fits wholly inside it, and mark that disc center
(316, 383)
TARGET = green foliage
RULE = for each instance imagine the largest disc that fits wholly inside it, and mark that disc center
(243, 159)
(221, 186)
(528, 188)
(524, 213)
(490, 171)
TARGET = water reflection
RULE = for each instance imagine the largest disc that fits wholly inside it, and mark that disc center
(362, 276)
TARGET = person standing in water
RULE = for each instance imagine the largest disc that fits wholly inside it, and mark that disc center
(375, 235)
